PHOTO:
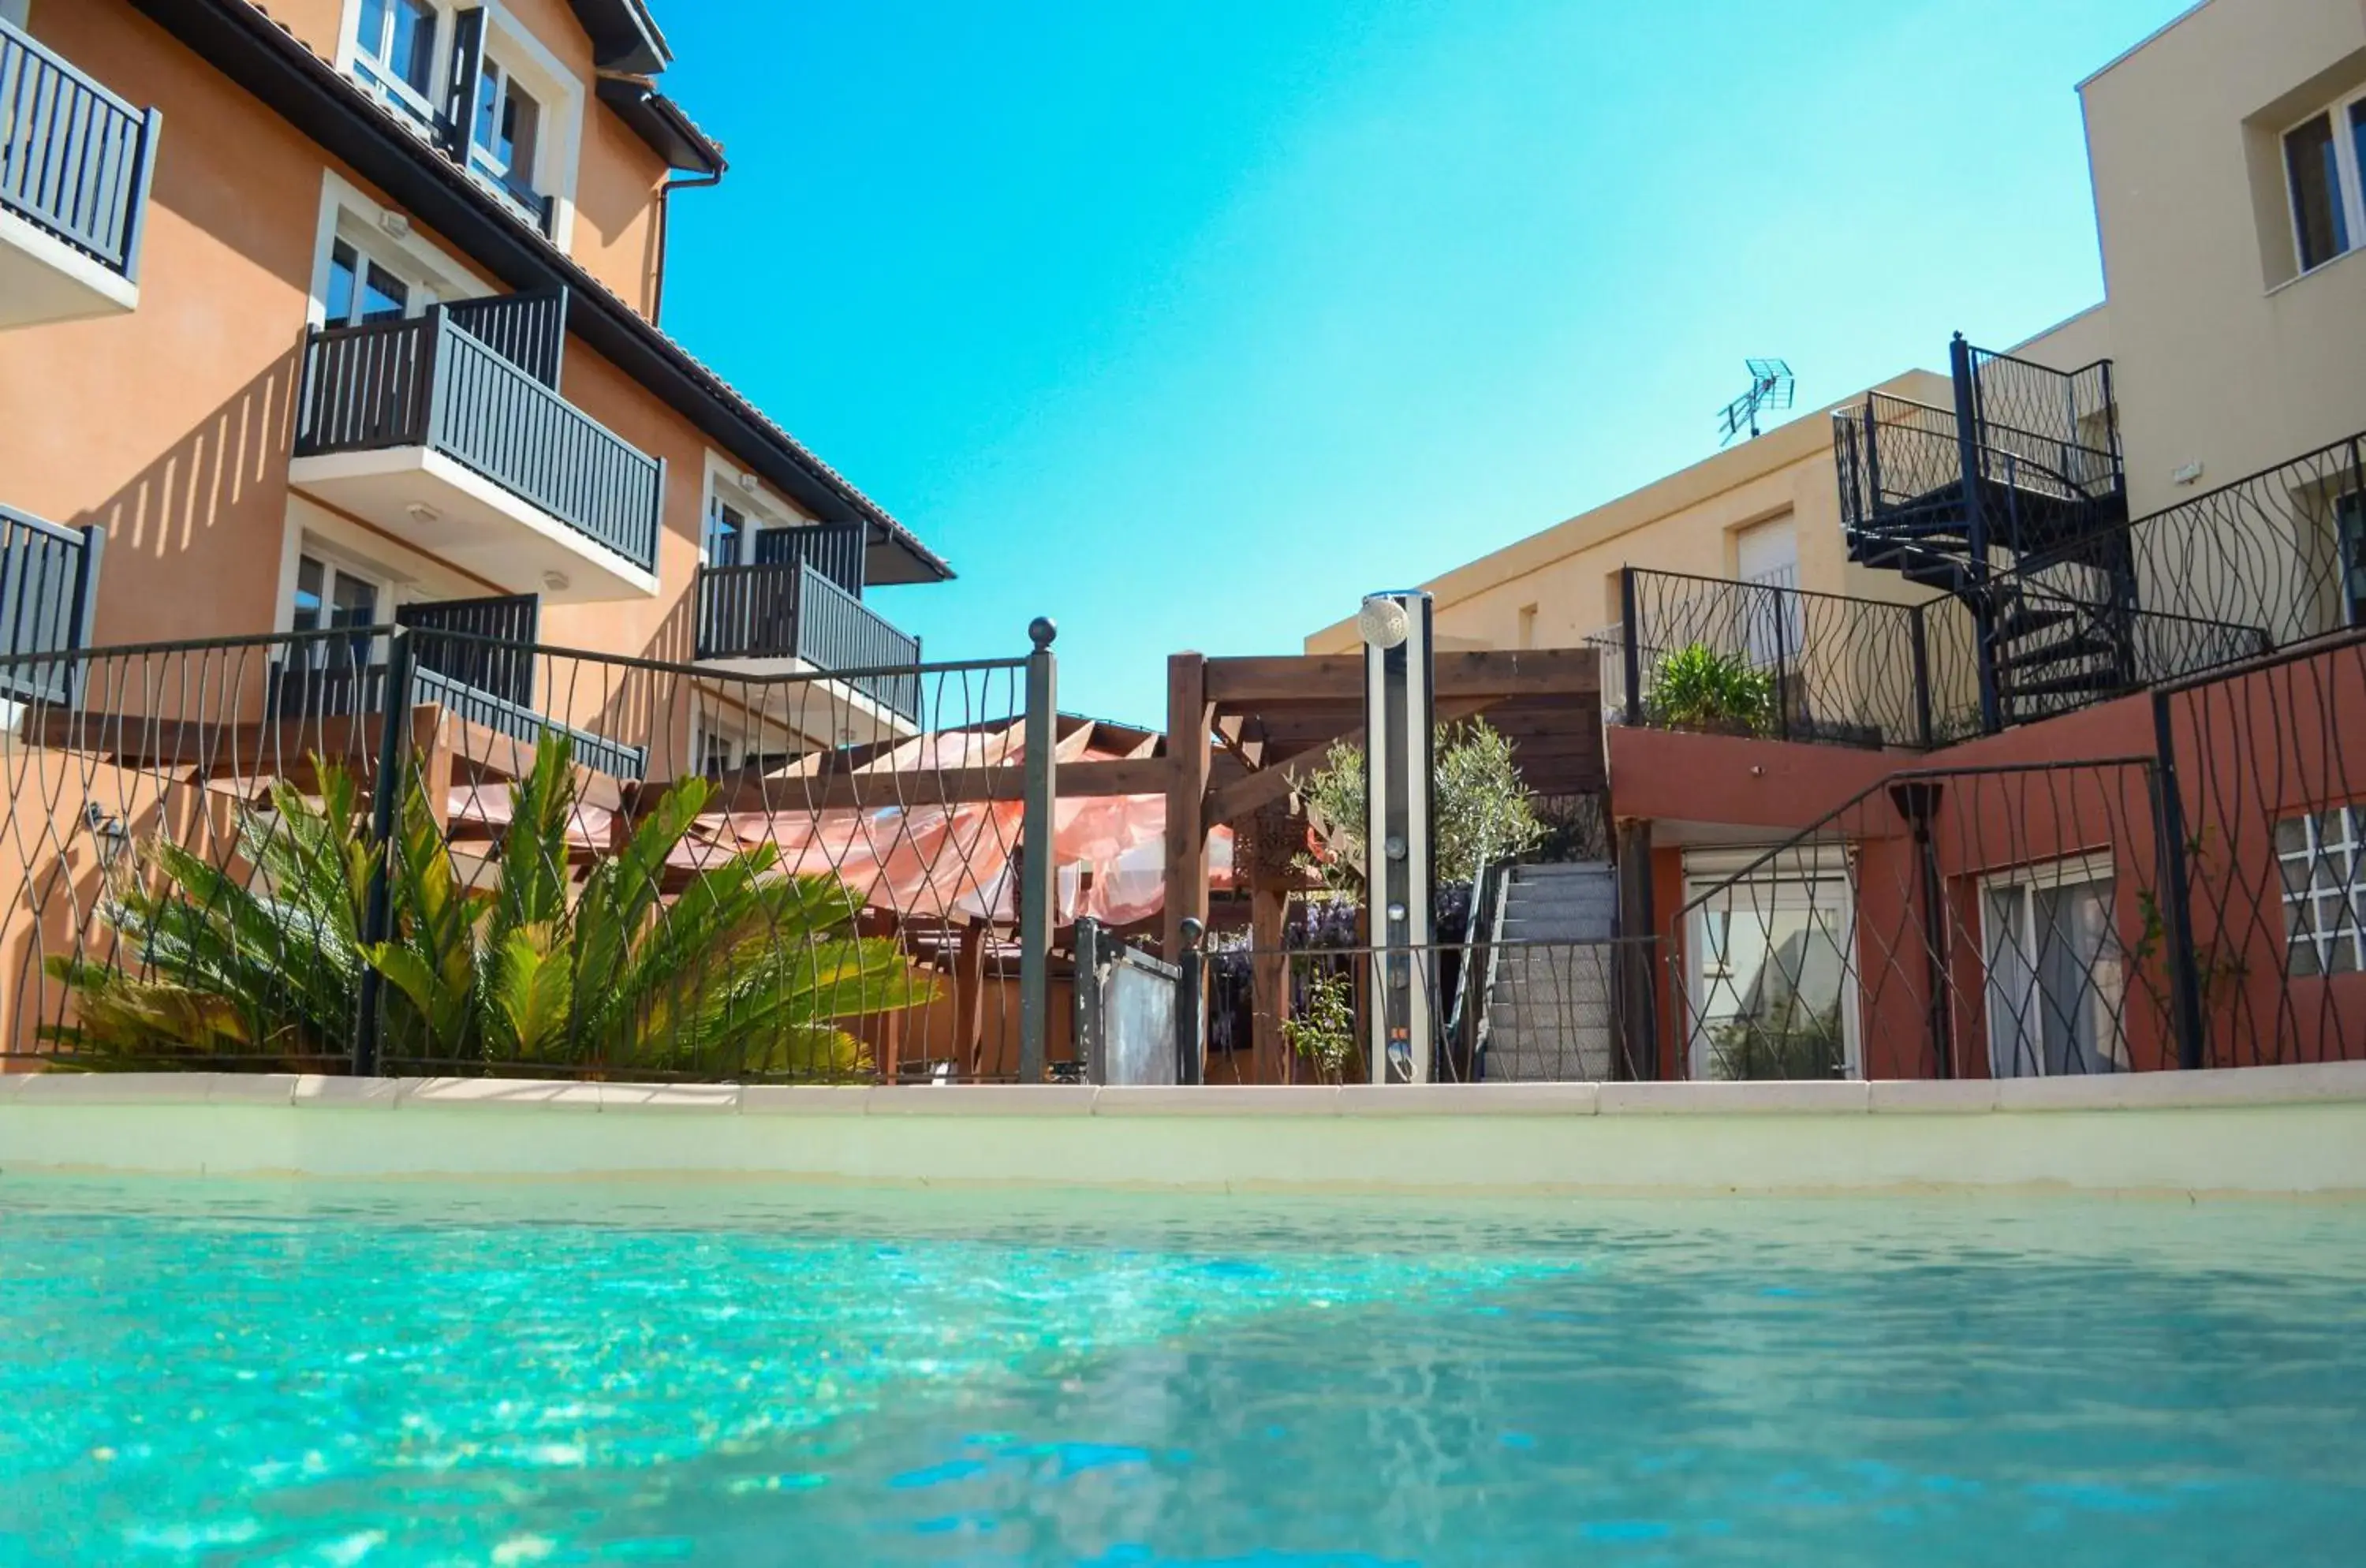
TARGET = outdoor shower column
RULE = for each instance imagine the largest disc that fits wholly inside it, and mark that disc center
(1400, 776)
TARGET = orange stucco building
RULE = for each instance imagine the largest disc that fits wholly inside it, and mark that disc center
(344, 311)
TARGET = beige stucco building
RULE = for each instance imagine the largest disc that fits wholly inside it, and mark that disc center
(2228, 156)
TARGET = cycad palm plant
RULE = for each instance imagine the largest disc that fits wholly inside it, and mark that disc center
(745, 971)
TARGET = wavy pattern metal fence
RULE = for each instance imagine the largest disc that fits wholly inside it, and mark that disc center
(2199, 903)
(1505, 1009)
(1820, 667)
(75, 159)
(656, 871)
(2257, 564)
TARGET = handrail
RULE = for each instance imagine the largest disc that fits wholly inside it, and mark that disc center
(430, 381)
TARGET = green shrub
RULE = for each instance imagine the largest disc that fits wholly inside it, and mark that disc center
(1696, 687)
(746, 969)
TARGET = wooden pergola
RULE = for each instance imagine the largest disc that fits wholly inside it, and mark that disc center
(1242, 733)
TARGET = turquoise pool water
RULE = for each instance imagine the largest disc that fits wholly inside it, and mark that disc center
(225, 1373)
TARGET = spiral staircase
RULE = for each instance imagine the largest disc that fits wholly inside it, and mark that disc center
(2015, 503)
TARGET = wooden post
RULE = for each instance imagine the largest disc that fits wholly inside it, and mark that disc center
(1188, 719)
(969, 999)
(1269, 981)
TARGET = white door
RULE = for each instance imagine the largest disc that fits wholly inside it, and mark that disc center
(1772, 972)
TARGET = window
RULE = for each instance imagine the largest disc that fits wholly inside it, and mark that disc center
(1771, 972)
(2323, 158)
(724, 530)
(395, 52)
(2349, 528)
(508, 129)
(361, 289)
(1767, 557)
(2324, 894)
(2056, 977)
(328, 596)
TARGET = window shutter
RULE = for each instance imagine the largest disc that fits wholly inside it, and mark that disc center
(468, 64)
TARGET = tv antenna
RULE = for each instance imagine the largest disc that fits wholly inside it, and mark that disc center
(1770, 388)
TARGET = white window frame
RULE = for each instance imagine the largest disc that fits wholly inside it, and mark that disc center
(2345, 888)
(2026, 881)
(420, 113)
(340, 562)
(559, 148)
(346, 214)
(759, 510)
(1805, 880)
(559, 97)
(2347, 177)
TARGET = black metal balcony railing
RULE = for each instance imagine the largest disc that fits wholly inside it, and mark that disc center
(2272, 559)
(75, 159)
(1770, 659)
(790, 609)
(474, 657)
(429, 382)
(49, 582)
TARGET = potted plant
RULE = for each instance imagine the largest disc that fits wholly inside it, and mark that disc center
(1697, 687)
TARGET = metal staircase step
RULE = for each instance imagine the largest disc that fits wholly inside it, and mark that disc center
(2025, 622)
(2068, 650)
(2069, 684)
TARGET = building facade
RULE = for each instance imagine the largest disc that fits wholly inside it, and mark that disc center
(2004, 722)
(345, 312)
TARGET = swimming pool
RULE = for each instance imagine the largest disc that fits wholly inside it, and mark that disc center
(249, 1372)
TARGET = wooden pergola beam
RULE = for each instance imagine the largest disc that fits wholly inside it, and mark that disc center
(1339, 677)
(1231, 802)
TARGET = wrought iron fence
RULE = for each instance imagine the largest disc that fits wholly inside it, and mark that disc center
(2042, 427)
(656, 871)
(2199, 902)
(2260, 563)
(1756, 659)
(1943, 923)
(75, 159)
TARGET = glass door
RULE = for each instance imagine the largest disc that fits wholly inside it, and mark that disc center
(2057, 980)
(1773, 983)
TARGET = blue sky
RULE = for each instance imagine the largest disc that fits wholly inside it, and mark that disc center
(1187, 324)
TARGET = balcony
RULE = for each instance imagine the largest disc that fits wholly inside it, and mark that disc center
(474, 657)
(76, 161)
(447, 432)
(49, 582)
(787, 616)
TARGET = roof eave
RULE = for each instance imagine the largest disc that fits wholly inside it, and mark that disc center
(243, 43)
(624, 35)
(659, 121)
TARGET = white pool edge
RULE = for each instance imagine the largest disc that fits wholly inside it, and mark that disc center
(2295, 1130)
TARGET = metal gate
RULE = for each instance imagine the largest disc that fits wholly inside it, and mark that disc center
(1129, 1010)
